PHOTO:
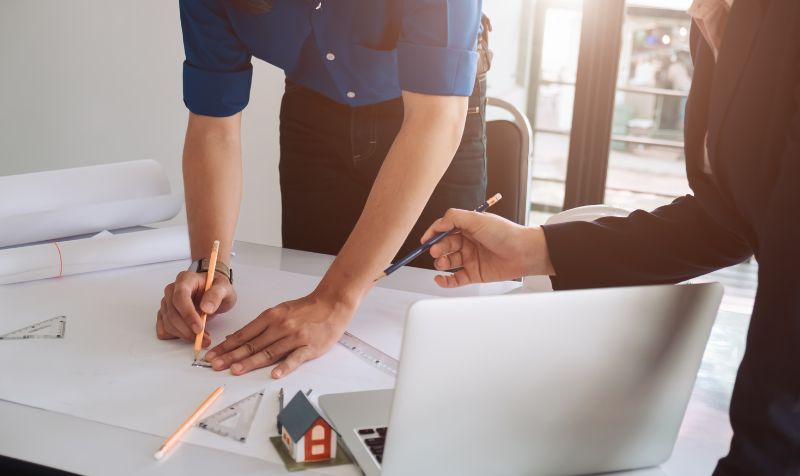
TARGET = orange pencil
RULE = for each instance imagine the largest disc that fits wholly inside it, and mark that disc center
(174, 438)
(212, 268)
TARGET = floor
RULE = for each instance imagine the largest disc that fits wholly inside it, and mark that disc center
(726, 345)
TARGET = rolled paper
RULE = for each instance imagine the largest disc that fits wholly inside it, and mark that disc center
(56, 204)
(50, 260)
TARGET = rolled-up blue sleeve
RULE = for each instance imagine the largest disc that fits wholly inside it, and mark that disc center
(217, 72)
(437, 48)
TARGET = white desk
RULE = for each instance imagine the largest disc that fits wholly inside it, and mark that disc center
(87, 447)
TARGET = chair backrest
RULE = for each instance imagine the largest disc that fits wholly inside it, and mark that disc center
(587, 213)
(508, 150)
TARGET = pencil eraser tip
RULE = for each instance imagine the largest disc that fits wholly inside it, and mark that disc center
(159, 454)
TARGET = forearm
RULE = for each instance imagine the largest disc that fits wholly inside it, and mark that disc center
(419, 156)
(212, 175)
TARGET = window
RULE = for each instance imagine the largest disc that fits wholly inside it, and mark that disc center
(646, 166)
(317, 450)
(551, 99)
(633, 159)
(318, 433)
(536, 46)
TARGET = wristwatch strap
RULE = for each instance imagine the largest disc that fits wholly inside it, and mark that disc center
(201, 266)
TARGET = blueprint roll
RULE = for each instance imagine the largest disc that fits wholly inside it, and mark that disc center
(99, 253)
(62, 203)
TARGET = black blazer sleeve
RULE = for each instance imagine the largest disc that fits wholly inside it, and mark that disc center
(672, 244)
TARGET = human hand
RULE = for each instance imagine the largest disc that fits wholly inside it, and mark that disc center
(179, 317)
(292, 332)
(487, 248)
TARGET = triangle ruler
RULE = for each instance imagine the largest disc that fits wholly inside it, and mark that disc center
(235, 420)
(52, 328)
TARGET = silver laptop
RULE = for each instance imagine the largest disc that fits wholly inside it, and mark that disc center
(565, 383)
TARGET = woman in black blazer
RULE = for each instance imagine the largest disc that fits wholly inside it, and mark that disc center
(743, 163)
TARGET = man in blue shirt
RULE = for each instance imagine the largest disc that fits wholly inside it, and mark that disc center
(381, 126)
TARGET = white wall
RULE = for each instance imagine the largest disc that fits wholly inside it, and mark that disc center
(510, 41)
(92, 81)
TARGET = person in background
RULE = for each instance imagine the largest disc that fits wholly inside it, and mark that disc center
(743, 163)
(381, 123)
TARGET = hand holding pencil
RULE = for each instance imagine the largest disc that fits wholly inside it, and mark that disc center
(487, 248)
(186, 299)
(430, 241)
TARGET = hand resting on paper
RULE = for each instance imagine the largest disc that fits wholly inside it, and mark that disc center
(488, 248)
(184, 300)
(291, 333)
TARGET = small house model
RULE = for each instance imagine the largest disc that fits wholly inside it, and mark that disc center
(306, 435)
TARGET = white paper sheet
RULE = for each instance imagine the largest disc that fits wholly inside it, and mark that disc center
(60, 203)
(99, 253)
(110, 367)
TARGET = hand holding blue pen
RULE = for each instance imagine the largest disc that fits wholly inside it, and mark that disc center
(427, 245)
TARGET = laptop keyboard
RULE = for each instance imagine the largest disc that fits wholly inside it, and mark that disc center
(374, 439)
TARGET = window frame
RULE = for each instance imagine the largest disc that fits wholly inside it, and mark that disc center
(593, 113)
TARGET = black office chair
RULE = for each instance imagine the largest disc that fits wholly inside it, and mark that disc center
(508, 150)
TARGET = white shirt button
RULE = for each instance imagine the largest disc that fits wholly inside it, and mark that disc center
(330, 56)
(351, 94)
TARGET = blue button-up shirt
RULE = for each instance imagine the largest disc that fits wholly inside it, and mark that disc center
(356, 52)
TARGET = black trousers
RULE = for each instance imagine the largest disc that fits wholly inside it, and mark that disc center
(331, 155)
(765, 408)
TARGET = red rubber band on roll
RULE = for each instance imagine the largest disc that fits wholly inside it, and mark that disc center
(60, 261)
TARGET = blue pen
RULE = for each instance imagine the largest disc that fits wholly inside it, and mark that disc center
(427, 245)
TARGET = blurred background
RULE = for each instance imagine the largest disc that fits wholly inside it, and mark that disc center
(537, 46)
